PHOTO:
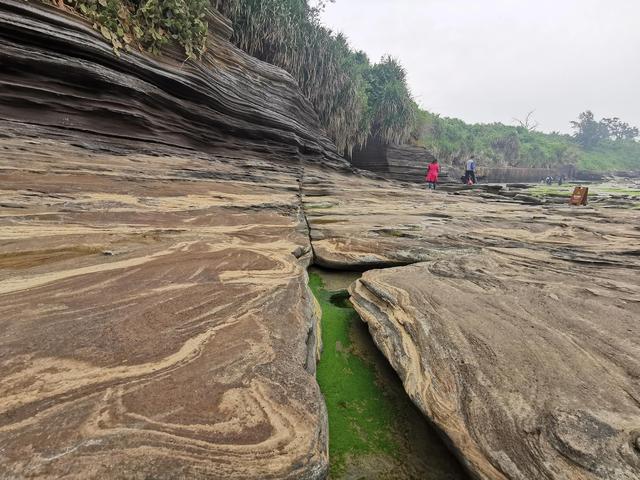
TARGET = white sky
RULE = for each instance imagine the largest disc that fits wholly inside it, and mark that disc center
(492, 60)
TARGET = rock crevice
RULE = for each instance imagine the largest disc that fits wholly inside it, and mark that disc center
(157, 219)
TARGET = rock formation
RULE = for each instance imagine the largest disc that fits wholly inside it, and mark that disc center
(60, 73)
(154, 312)
(156, 221)
(377, 223)
(530, 368)
(405, 163)
(516, 330)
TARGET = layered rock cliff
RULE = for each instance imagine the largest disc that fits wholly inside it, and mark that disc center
(154, 312)
(58, 72)
(156, 221)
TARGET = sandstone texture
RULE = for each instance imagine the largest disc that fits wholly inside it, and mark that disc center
(157, 218)
(155, 320)
(359, 223)
(154, 323)
(515, 329)
(529, 368)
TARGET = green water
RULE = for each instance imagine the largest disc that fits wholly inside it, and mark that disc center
(375, 431)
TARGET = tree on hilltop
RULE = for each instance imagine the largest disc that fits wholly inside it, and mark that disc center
(590, 133)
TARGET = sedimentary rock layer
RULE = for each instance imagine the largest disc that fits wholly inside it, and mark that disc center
(154, 316)
(529, 367)
(516, 329)
(360, 223)
(59, 72)
(155, 322)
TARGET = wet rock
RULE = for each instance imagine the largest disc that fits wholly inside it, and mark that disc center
(528, 199)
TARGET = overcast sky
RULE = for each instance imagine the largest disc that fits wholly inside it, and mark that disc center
(492, 60)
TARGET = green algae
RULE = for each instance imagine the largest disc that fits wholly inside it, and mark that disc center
(375, 431)
(359, 417)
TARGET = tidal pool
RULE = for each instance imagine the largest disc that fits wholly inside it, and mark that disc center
(375, 431)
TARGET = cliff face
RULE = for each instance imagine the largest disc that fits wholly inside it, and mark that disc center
(59, 73)
(153, 302)
(156, 222)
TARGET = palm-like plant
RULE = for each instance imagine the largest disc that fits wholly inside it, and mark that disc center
(353, 99)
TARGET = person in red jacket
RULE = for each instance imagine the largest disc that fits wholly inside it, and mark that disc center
(432, 173)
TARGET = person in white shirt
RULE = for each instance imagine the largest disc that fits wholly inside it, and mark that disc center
(470, 170)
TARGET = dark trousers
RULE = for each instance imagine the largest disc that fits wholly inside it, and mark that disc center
(470, 174)
(431, 185)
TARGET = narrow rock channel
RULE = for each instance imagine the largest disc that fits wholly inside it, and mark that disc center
(375, 431)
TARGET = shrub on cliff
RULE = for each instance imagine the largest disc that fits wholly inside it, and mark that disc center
(354, 99)
(148, 24)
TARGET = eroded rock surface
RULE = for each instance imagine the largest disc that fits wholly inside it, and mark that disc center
(529, 367)
(359, 222)
(154, 323)
(154, 315)
(516, 328)
(155, 320)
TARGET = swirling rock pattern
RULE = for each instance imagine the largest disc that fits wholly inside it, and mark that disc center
(361, 223)
(154, 316)
(154, 323)
(514, 329)
(529, 367)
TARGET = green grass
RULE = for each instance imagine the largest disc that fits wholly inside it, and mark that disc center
(618, 191)
(545, 190)
(361, 416)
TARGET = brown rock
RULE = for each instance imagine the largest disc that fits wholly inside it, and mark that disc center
(190, 352)
(516, 331)
(529, 367)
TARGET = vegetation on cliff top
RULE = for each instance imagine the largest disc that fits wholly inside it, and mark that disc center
(146, 24)
(355, 99)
